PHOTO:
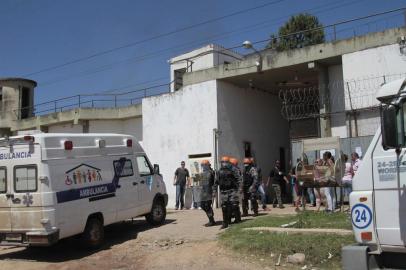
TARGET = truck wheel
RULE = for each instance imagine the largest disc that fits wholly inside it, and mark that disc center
(93, 235)
(158, 213)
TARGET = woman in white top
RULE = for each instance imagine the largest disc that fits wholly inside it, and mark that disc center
(347, 178)
(329, 191)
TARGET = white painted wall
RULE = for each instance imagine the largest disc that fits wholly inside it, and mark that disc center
(364, 70)
(131, 126)
(384, 60)
(65, 128)
(105, 126)
(337, 101)
(206, 57)
(177, 125)
(253, 116)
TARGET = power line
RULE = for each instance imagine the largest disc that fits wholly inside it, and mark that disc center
(331, 25)
(304, 31)
(182, 29)
(115, 89)
(220, 36)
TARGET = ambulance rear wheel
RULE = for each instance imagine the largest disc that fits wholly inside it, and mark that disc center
(158, 213)
(93, 235)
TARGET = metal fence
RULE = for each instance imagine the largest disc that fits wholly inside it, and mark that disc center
(97, 100)
(337, 97)
(348, 146)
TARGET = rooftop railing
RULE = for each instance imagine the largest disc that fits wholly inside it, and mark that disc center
(96, 100)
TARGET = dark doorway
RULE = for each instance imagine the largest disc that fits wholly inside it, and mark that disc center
(178, 80)
(25, 102)
(247, 149)
(282, 158)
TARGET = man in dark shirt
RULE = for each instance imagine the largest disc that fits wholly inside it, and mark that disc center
(180, 180)
(277, 178)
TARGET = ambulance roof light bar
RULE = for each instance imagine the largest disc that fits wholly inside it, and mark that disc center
(7, 141)
(29, 138)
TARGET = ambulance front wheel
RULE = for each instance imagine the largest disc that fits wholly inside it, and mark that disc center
(158, 213)
(93, 235)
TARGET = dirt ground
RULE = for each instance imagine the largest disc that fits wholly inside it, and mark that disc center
(182, 243)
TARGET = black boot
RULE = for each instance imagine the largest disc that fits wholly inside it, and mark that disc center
(226, 217)
(211, 222)
(244, 212)
(254, 205)
(237, 215)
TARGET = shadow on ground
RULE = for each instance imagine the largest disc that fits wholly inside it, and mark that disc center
(72, 248)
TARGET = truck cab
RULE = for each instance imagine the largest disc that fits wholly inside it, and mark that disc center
(378, 200)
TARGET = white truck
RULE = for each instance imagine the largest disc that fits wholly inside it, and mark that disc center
(53, 186)
(378, 200)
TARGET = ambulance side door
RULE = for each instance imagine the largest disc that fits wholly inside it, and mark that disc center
(127, 189)
(5, 200)
(145, 179)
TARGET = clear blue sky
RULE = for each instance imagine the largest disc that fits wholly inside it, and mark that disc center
(39, 34)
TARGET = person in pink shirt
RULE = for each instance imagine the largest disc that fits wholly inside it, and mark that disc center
(347, 178)
(356, 162)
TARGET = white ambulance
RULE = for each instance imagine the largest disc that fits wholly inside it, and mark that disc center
(53, 186)
(378, 200)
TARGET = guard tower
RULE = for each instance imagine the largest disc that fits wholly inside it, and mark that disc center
(16, 101)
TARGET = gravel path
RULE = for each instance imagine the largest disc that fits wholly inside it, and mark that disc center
(182, 243)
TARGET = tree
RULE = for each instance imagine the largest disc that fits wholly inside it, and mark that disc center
(298, 23)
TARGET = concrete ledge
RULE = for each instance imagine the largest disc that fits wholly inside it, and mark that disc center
(298, 230)
(76, 115)
(273, 60)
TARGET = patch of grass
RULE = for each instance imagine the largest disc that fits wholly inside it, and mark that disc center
(306, 219)
(316, 247)
(309, 219)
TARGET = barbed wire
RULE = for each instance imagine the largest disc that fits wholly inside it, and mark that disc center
(337, 97)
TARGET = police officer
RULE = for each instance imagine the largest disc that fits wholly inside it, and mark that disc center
(227, 180)
(206, 193)
(249, 187)
(236, 213)
(261, 186)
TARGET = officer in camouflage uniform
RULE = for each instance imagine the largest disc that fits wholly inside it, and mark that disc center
(261, 187)
(249, 187)
(228, 181)
(205, 187)
(236, 213)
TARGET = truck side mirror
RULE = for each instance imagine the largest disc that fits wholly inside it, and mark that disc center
(389, 127)
(156, 169)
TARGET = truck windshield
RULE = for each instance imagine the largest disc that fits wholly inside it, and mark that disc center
(3, 179)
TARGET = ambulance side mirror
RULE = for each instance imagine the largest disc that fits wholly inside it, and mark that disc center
(389, 127)
(156, 169)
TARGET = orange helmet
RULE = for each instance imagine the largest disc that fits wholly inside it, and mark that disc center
(247, 161)
(225, 159)
(205, 162)
(234, 161)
